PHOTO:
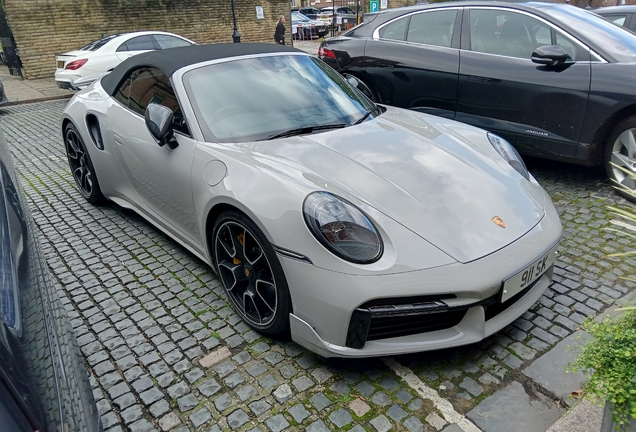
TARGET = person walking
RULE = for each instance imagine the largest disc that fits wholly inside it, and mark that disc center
(279, 35)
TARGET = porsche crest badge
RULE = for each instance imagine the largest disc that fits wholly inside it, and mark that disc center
(499, 222)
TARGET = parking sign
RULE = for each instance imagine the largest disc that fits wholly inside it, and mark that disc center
(374, 5)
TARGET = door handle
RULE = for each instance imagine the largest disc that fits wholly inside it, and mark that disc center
(385, 65)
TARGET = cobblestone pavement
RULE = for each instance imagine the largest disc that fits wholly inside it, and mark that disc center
(165, 351)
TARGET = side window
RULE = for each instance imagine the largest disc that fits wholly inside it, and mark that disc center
(617, 19)
(151, 85)
(433, 28)
(394, 30)
(543, 35)
(166, 41)
(123, 92)
(506, 33)
(139, 43)
(572, 48)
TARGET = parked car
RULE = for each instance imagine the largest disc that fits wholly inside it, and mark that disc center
(43, 381)
(327, 14)
(308, 28)
(105, 53)
(621, 15)
(548, 77)
(309, 12)
(294, 185)
(340, 11)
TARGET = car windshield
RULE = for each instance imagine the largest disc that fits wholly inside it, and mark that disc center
(299, 17)
(259, 98)
(95, 45)
(616, 41)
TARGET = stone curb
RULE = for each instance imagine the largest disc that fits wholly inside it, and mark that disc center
(35, 100)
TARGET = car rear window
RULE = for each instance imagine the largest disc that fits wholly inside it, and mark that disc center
(167, 41)
(97, 44)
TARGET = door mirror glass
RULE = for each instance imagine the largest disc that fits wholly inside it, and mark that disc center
(551, 55)
(159, 121)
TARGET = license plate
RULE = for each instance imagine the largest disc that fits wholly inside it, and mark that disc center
(60, 64)
(521, 280)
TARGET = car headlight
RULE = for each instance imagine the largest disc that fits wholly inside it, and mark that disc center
(342, 228)
(509, 153)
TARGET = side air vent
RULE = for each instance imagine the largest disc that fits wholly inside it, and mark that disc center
(95, 131)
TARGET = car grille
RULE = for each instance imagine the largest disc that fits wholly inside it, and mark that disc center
(387, 318)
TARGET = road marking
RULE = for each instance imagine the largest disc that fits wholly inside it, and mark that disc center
(426, 392)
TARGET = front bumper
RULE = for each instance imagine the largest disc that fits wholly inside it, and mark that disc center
(472, 328)
(325, 302)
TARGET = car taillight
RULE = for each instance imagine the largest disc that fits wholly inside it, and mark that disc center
(75, 64)
(326, 53)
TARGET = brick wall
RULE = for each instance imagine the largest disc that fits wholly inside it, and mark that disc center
(44, 27)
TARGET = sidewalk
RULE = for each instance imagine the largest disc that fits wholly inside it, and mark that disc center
(20, 90)
(310, 47)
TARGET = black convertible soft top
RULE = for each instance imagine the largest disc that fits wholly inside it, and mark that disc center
(172, 59)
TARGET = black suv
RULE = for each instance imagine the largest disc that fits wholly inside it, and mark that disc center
(553, 79)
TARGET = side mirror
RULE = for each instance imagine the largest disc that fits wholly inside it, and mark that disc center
(551, 55)
(352, 80)
(159, 121)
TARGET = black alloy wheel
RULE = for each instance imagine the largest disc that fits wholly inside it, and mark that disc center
(251, 274)
(81, 166)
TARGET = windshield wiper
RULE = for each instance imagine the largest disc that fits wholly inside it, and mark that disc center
(367, 114)
(304, 130)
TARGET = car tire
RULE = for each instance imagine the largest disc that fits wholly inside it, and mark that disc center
(82, 168)
(620, 149)
(363, 87)
(251, 274)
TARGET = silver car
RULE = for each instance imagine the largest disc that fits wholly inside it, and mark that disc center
(363, 229)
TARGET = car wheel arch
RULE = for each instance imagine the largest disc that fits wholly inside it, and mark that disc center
(214, 214)
(65, 122)
(599, 140)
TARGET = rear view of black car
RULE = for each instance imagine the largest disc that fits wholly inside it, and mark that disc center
(43, 381)
(553, 79)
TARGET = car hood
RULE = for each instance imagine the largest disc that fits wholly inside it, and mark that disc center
(441, 179)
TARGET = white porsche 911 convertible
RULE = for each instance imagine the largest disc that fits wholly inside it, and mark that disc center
(362, 229)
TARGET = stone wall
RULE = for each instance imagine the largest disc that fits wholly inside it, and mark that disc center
(44, 27)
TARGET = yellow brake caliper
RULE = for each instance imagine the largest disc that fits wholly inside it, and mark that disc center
(240, 238)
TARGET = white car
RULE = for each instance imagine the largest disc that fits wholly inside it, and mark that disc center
(102, 55)
(310, 27)
(358, 228)
(327, 14)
